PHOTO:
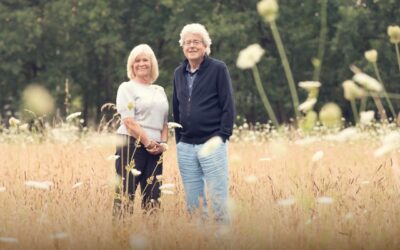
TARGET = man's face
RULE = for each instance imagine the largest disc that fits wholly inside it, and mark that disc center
(193, 47)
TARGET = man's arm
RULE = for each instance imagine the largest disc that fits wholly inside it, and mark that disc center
(175, 110)
(226, 101)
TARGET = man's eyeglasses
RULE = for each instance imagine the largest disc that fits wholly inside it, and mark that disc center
(194, 42)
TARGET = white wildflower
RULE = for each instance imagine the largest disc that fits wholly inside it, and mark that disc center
(76, 185)
(58, 236)
(330, 115)
(37, 100)
(390, 143)
(2, 189)
(368, 82)
(45, 185)
(366, 117)
(286, 202)
(73, 115)
(268, 9)
(210, 146)
(249, 56)
(325, 200)
(352, 90)
(344, 135)
(112, 157)
(394, 33)
(174, 125)
(371, 55)
(138, 242)
(309, 85)
(251, 179)
(317, 156)
(135, 172)
(167, 186)
(349, 216)
(14, 122)
(130, 106)
(307, 105)
(8, 240)
(364, 182)
(169, 192)
(159, 177)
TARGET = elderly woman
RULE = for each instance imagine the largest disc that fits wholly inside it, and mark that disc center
(143, 107)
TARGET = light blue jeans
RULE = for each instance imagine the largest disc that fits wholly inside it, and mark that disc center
(211, 170)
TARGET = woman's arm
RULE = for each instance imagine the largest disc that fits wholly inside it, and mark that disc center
(137, 131)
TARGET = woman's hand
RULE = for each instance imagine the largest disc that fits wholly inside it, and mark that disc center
(159, 148)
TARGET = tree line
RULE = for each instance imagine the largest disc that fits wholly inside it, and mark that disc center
(86, 43)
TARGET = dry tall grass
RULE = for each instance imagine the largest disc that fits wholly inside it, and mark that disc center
(275, 188)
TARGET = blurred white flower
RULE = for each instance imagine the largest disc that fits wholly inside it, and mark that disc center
(8, 240)
(390, 143)
(352, 90)
(368, 82)
(325, 200)
(174, 125)
(135, 172)
(167, 186)
(112, 157)
(268, 9)
(286, 202)
(265, 159)
(73, 115)
(76, 185)
(394, 33)
(251, 179)
(24, 127)
(309, 85)
(167, 192)
(349, 216)
(159, 177)
(366, 117)
(371, 55)
(138, 242)
(58, 236)
(130, 106)
(364, 182)
(2, 189)
(14, 122)
(210, 146)
(307, 105)
(249, 56)
(38, 100)
(306, 141)
(317, 156)
(344, 135)
(45, 185)
(330, 115)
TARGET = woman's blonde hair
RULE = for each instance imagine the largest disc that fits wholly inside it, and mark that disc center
(197, 29)
(147, 51)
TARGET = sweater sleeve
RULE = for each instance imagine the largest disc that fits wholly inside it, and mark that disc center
(175, 110)
(125, 103)
(226, 101)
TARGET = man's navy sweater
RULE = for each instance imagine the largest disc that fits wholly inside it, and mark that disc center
(210, 110)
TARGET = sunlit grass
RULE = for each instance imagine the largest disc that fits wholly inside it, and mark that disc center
(287, 192)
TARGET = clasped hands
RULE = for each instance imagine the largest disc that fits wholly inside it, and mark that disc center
(156, 148)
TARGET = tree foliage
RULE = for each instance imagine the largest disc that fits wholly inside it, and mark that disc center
(87, 43)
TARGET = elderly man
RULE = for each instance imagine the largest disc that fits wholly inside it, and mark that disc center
(203, 104)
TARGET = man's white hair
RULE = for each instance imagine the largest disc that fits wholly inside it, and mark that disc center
(196, 29)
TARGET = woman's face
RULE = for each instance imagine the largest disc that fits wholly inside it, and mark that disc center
(142, 66)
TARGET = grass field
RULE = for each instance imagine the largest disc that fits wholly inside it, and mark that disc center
(285, 194)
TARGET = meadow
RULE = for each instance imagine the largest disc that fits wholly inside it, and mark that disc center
(288, 191)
